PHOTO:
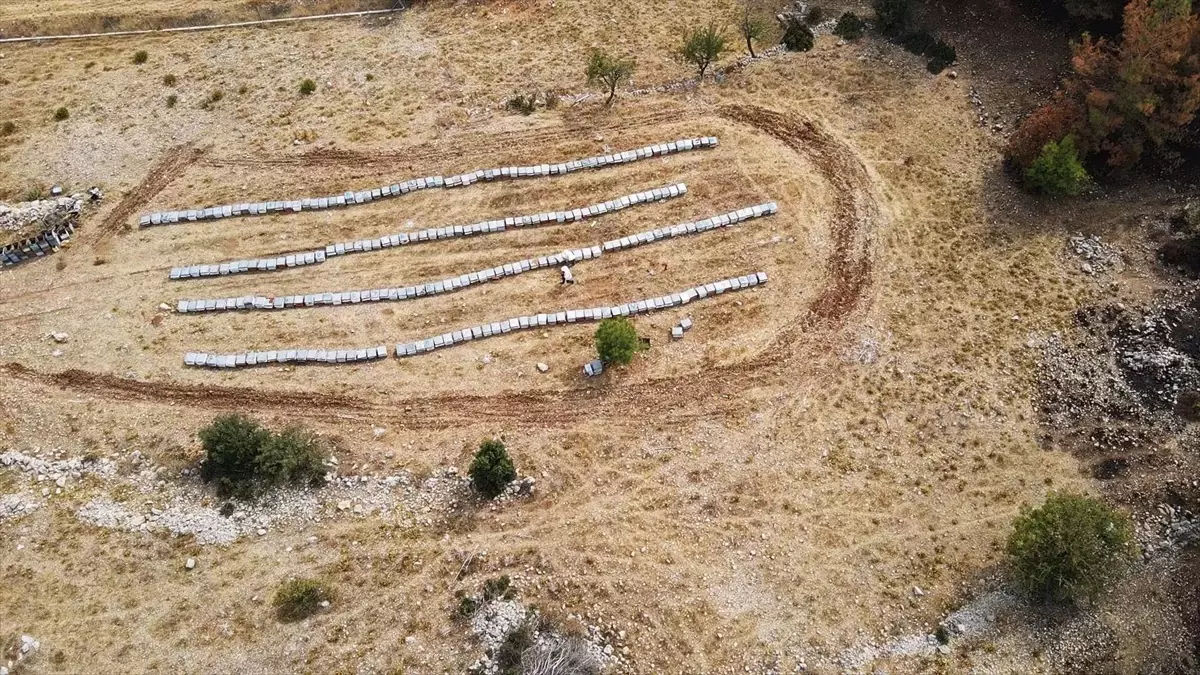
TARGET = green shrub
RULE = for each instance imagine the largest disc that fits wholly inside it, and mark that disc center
(1069, 548)
(307, 87)
(8, 129)
(892, 17)
(492, 469)
(850, 26)
(169, 80)
(61, 114)
(499, 588)
(172, 99)
(617, 341)
(815, 15)
(140, 57)
(240, 456)
(701, 47)
(798, 37)
(299, 599)
(231, 447)
(1057, 171)
(295, 456)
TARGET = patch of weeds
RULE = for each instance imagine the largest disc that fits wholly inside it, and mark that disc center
(169, 80)
(307, 86)
(299, 599)
(141, 56)
(172, 100)
(61, 114)
(8, 129)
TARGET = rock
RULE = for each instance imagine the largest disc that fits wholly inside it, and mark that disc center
(487, 358)
(324, 603)
(918, 592)
(953, 74)
(165, 307)
(343, 505)
(60, 337)
(378, 431)
(261, 532)
(56, 353)
(190, 564)
(56, 190)
(542, 368)
(1087, 268)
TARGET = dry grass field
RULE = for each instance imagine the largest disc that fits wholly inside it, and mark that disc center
(764, 493)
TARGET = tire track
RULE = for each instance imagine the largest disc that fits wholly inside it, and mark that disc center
(161, 175)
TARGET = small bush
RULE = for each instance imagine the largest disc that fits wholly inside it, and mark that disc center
(169, 80)
(617, 341)
(299, 599)
(8, 129)
(492, 469)
(172, 100)
(892, 17)
(61, 114)
(798, 37)
(1069, 548)
(526, 105)
(815, 15)
(293, 456)
(850, 26)
(499, 588)
(216, 96)
(307, 87)
(1051, 122)
(1057, 171)
(140, 57)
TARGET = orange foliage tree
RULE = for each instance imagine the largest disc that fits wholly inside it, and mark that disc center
(1123, 99)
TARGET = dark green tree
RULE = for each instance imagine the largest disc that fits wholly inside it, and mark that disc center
(617, 341)
(609, 71)
(492, 469)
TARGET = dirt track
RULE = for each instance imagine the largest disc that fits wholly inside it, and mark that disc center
(683, 396)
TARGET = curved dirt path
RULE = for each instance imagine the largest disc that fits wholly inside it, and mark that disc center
(693, 395)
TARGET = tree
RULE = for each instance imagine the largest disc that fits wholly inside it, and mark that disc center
(1057, 171)
(617, 341)
(849, 26)
(609, 71)
(1069, 548)
(294, 455)
(492, 469)
(752, 27)
(892, 17)
(798, 37)
(701, 47)
(231, 446)
(242, 456)
(1144, 92)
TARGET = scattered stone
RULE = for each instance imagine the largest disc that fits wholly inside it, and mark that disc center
(542, 368)
(60, 337)
(190, 564)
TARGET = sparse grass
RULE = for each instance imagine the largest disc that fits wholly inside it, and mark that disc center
(298, 599)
